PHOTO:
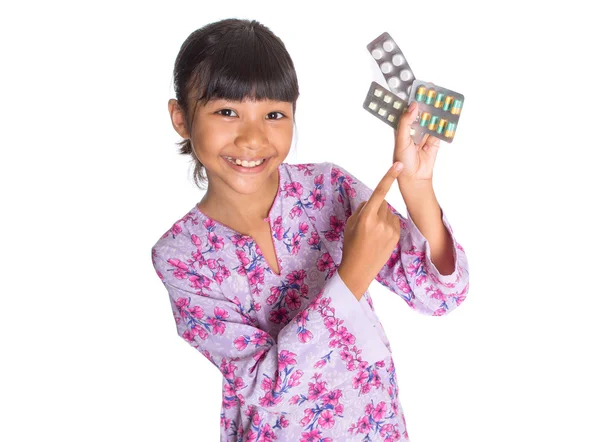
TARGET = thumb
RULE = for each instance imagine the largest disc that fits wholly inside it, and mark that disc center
(403, 137)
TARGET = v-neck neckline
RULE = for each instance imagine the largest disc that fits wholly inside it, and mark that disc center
(268, 218)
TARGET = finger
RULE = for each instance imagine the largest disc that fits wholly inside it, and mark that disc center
(360, 206)
(406, 120)
(432, 143)
(378, 195)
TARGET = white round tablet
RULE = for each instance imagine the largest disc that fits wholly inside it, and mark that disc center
(394, 82)
(386, 67)
(402, 95)
(398, 60)
(377, 54)
(405, 75)
(388, 45)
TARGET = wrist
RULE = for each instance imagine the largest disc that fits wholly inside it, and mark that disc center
(356, 287)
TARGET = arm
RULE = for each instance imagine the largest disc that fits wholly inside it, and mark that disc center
(328, 340)
(410, 272)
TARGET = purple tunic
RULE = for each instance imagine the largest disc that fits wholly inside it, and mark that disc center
(302, 359)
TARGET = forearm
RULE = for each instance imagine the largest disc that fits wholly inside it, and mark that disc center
(425, 212)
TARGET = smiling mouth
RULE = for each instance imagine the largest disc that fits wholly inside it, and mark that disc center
(244, 163)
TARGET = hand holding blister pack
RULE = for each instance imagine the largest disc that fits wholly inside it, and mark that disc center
(438, 108)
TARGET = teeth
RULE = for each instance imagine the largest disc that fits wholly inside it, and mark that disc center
(245, 163)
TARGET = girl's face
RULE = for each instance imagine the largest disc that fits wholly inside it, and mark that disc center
(247, 130)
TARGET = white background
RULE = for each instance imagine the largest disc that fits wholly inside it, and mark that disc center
(90, 180)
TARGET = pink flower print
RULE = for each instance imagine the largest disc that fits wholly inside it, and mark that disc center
(321, 362)
(176, 229)
(293, 189)
(295, 243)
(359, 378)
(437, 293)
(278, 232)
(199, 281)
(268, 400)
(439, 312)
(326, 420)
(292, 299)
(311, 436)
(217, 321)
(242, 257)
(241, 342)
(350, 191)
(379, 411)
(212, 263)
(296, 211)
(314, 239)
(305, 335)
(256, 276)
(275, 294)
(332, 397)
(318, 181)
(279, 316)
(363, 425)
(336, 224)
(286, 358)
(209, 224)
(325, 262)
(303, 228)
(267, 434)
(240, 240)
(294, 378)
(335, 174)
(296, 277)
(317, 199)
(181, 268)
(216, 242)
(315, 390)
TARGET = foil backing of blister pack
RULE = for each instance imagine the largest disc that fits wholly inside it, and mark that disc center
(439, 111)
(385, 105)
(393, 65)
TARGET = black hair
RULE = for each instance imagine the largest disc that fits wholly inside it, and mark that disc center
(231, 59)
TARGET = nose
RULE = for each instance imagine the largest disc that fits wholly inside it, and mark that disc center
(252, 135)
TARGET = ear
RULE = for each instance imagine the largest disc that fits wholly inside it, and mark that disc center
(178, 119)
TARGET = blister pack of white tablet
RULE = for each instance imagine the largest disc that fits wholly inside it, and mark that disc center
(385, 105)
(392, 63)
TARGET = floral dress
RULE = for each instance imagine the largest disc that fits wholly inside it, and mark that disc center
(302, 360)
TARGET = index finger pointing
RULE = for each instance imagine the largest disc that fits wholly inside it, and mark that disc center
(378, 195)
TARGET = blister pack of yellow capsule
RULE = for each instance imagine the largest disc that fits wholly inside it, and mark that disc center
(392, 63)
(439, 111)
(385, 105)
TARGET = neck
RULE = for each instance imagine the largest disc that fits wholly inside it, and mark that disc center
(250, 210)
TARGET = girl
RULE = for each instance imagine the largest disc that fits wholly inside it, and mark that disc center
(268, 274)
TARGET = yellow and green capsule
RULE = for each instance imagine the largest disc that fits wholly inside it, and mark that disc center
(420, 95)
(450, 130)
(430, 96)
(448, 102)
(439, 100)
(456, 107)
(433, 123)
(425, 119)
(441, 126)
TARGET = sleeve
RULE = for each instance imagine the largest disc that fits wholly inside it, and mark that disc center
(323, 346)
(409, 272)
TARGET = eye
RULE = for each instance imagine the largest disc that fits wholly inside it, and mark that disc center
(271, 113)
(224, 110)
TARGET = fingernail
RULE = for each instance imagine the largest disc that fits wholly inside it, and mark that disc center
(397, 166)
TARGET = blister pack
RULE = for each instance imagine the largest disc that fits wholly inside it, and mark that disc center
(392, 63)
(439, 111)
(385, 105)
